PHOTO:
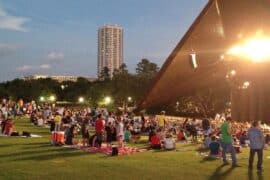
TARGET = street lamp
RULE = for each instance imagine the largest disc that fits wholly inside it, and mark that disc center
(81, 100)
(107, 100)
(42, 98)
(52, 98)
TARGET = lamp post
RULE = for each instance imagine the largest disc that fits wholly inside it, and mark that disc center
(42, 99)
(81, 100)
(107, 100)
(52, 98)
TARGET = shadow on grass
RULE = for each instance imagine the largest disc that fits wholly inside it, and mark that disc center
(251, 175)
(207, 159)
(49, 154)
(21, 153)
(191, 144)
(218, 174)
(202, 150)
(6, 145)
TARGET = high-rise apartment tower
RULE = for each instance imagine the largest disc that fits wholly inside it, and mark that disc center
(110, 48)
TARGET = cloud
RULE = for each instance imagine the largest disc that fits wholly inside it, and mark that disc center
(56, 56)
(25, 68)
(44, 66)
(14, 23)
(6, 49)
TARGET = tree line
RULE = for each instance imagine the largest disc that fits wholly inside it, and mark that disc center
(120, 87)
(124, 89)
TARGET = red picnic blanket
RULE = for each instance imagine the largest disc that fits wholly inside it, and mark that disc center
(103, 149)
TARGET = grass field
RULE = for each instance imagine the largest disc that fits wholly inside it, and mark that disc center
(35, 158)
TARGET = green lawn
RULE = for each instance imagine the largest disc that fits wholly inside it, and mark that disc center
(35, 158)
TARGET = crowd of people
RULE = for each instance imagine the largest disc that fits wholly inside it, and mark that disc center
(96, 126)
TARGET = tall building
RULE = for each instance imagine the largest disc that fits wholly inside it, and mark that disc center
(110, 48)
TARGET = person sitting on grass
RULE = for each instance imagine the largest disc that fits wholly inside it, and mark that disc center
(169, 143)
(3, 125)
(93, 141)
(207, 141)
(243, 138)
(9, 127)
(155, 142)
(214, 147)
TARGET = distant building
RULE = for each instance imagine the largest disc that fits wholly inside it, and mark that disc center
(110, 48)
(58, 78)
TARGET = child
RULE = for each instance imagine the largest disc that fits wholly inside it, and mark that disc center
(155, 141)
(214, 147)
(243, 138)
(207, 141)
(180, 135)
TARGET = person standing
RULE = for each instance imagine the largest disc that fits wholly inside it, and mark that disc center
(226, 142)
(99, 126)
(85, 133)
(161, 120)
(256, 139)
(120, 132)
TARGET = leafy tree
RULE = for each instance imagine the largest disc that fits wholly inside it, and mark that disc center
(146, 69)
(105, 74)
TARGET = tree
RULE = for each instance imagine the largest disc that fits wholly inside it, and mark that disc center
(121, 85)
(145, 72)
(146, 69)
(105, 74)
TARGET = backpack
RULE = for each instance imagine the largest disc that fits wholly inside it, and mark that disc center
(114, 151)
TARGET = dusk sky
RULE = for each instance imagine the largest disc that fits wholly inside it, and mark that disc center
(59, 37)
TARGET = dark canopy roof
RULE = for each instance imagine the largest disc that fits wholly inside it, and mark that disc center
(221, 24)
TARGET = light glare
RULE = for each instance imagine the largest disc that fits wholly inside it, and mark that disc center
(108, 100)
(256, 49)
(52, 98)
(81, 99)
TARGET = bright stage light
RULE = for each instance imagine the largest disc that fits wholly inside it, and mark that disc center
(246, 85)
(255, 49)
(233, 72)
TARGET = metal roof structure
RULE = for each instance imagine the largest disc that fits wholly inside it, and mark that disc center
(201, 57)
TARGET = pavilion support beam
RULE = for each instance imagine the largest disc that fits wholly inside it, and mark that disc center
(251, 104)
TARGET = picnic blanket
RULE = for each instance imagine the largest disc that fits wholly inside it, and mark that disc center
(31, 135)
(108, 151)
